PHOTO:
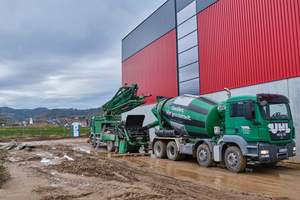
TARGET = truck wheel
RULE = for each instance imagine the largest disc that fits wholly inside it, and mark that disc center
(234, 159)
(204, 156)
(270, 164)
(110, 146)
(160, 149)
(172, 151)
(92, 141)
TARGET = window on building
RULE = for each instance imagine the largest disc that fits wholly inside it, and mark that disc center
(189, 72)
(187, 42)
(187, 45)
(186, 12)
(187, 27)
(188, 56)
(189, 87)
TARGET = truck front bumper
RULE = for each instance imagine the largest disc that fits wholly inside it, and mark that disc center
(272, 152)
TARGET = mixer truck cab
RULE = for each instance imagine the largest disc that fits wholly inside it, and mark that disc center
(233, 132)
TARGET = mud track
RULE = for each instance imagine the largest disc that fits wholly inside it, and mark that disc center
(69, 172)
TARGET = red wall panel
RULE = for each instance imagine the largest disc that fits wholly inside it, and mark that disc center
(248, 42)
(154, 68)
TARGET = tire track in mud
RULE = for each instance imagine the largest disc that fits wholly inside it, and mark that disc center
(121, 171)
(88, 176)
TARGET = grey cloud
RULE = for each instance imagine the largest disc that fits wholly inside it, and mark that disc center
(64, 53)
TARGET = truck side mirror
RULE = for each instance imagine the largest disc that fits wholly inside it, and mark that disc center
(263, 103)
(248, 112)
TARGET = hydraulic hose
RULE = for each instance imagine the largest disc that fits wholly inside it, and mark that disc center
(153, 124)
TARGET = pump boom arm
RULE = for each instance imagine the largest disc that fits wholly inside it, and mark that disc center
(124, 100)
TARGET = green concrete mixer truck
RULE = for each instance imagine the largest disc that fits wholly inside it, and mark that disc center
(232, 132)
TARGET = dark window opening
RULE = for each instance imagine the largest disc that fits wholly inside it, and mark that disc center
(238, 110)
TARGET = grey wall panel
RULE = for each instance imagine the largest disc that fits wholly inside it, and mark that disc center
(156, 25)
(181, 4)
(202, 4)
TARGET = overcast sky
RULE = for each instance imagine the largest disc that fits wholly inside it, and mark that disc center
(64, 53)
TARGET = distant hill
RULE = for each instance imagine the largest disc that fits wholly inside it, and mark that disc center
(45, 113)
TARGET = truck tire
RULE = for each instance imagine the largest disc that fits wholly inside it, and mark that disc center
(270, 164)
(160, 149)
(110, 146)
(92, 141)
(172, 151)
(234, 159)
(204, 156)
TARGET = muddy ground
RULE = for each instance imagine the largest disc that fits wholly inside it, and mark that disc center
(70, 169)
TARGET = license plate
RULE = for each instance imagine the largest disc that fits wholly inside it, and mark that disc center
(139, 138)
(282, 150)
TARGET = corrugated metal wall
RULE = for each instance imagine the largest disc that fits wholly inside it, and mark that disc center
(158, 24)
(247, 42)
(154, 68)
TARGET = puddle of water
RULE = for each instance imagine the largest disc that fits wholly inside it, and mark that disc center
(255, 179)
(65, 156)
(85, 150)
(45, 160)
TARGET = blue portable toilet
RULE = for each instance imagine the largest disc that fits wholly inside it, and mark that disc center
(75, 129)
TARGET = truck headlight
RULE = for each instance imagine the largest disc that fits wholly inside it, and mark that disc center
(294, 149)
(264, 152)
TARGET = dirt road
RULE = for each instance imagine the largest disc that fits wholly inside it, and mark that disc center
(69, 169)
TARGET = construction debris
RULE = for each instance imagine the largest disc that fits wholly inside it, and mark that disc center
(13, 145)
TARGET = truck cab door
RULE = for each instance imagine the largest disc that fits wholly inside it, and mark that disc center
(243, 127)
(229, 121)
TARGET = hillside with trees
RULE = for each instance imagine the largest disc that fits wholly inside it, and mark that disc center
(11, 114)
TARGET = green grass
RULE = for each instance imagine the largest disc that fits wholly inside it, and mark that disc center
(3, 155)
(26, 132)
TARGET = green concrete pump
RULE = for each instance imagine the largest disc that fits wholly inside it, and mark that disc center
(232, 132)
(119, 136)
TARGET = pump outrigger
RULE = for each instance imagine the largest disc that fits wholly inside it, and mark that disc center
(119, 136)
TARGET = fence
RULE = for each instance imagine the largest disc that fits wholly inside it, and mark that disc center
(24, 132)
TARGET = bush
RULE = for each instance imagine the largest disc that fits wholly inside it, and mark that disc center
(3, 155)
(2, 171)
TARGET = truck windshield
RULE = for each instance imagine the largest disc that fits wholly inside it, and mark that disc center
(275, 111)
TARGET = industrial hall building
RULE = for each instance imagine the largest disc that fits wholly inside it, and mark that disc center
(200, 47)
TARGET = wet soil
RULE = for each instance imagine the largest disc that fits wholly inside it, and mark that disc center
(70, 169)
(40, 138)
